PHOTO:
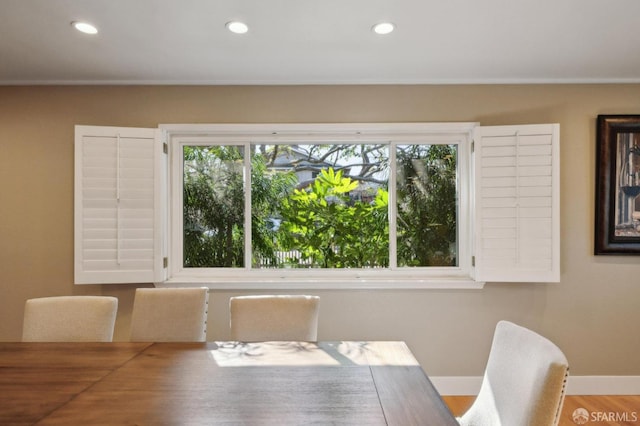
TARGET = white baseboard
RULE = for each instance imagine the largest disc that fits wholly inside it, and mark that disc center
(577, 385)
(457, 385)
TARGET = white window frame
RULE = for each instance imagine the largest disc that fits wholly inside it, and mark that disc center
(476, 265)
(459, 134)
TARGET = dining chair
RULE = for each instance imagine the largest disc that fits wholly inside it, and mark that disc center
(274, 318)
(170, 315)
(524, 381)
(69, 319)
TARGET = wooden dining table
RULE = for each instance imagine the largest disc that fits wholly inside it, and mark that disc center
(216, 383)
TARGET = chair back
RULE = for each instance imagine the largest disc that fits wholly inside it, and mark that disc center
(274, 318)
(69, 319)
(524, 381)
(170, 315)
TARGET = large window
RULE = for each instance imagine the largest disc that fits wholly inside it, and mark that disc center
(317, 205)
(335, 205)
(322, 205)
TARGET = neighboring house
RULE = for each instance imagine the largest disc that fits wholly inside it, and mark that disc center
(307, 168)
(293, 157)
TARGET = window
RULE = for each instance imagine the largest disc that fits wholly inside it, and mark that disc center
(321, 205)
(335, 206)
(326, 204)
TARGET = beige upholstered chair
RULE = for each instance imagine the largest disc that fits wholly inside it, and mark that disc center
(524, 381)
(169, 315)
(69, 319)
(274, 318)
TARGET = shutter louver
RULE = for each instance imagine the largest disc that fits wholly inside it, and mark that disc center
(517, 203)
(117, 205)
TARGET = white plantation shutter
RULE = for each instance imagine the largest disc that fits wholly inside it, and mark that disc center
(517, 203)
(118, 186)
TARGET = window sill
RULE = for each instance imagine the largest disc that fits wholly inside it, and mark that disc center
(326, 284)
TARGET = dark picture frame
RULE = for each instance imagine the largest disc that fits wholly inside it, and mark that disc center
(617, 213)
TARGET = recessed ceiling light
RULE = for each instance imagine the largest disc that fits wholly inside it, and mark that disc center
(237, 27)
(84, 27)
(383, 28)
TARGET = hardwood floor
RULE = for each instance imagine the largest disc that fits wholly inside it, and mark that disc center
(618, 410)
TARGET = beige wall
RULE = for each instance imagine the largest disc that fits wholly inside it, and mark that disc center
(593, 314)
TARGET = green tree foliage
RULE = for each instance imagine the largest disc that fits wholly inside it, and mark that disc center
(268, 189)
(329, 230)
(320, 223)
(427, 212)
(213, 207)
(213, 189)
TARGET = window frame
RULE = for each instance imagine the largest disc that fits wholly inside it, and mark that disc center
(178, 135)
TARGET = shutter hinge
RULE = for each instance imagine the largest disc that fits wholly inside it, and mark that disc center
(165, 148)
(473, 146)
(165, 262)
(473, 261)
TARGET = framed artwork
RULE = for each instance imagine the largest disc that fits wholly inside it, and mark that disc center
(617, 215)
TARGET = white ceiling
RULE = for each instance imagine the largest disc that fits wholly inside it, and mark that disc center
(320, 42)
